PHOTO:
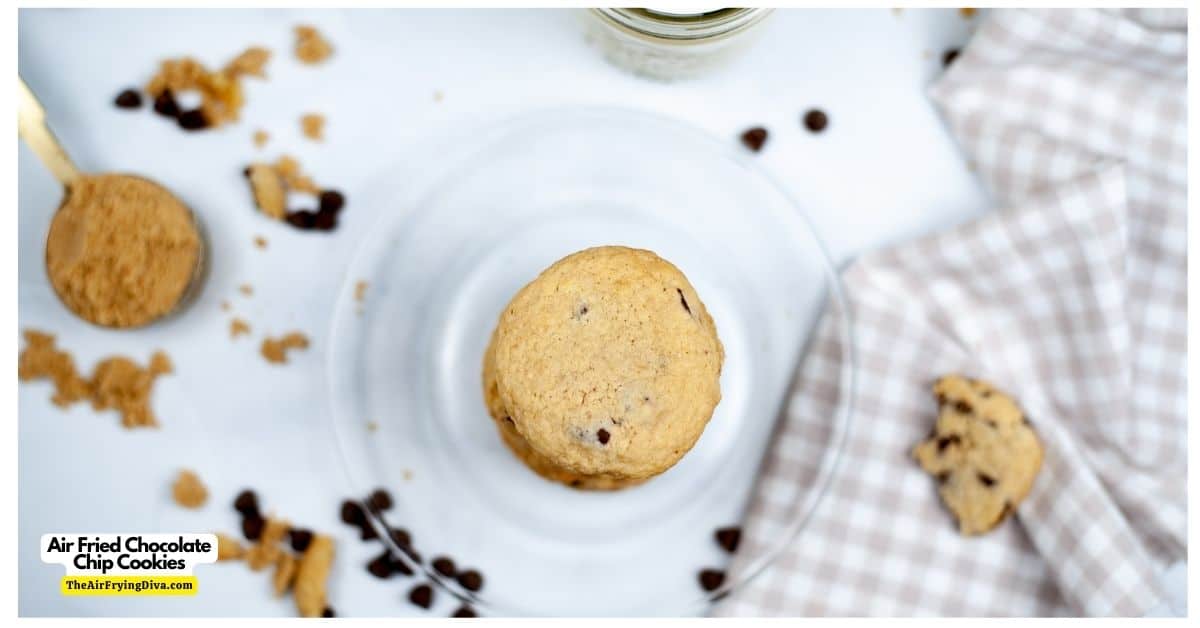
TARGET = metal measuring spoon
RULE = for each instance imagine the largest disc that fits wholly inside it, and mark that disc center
(31, 125)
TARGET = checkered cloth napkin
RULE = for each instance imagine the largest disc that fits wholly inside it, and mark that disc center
(1072, 298)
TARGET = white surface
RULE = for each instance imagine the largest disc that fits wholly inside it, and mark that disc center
(884, 171)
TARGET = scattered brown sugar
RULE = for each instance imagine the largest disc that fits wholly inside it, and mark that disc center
(261, 138)
(251, 62)
(260, 242)
(294, 177)
(229, 548)
(238, 327)
(272, 183)
(408, 474)
(117, 382)
(967, 13)
(42, 360)
(312, 576)
(372, 426)
(246, 290)
(311, 47)
(189, 491)
(275, 349)
(120, 384)
(360, 291)
(313, 126)
(225, 306)
(121, 251)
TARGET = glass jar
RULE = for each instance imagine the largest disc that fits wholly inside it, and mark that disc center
(667, 44)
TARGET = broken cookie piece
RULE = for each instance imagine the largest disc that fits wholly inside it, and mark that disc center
(229, 548)
(982, 451)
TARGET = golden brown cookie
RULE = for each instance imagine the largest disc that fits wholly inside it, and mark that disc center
(605, 369)
(982, 451)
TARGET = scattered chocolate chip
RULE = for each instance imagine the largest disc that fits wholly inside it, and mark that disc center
(755, 138)
(165, 105)
(683, 301)
(367, 532)
(325, 221)
(471, 580)
(444, 566)
(246, 503)
(301, 219)
(252, 527)
(401, 567)
(352, 513)
(711, 579)
(379, 500)
(962, 406)
(728, 538)
(464, 611)
(246, 172)
(332, 201)
(300, 538)
(602, 435)
(421, 595)
(986, 479)
(193, 120)
(328, 612)
(943, 477)
(946, 441)
(412, 554)
(400, 537)
(815, 120)
(129, 99)
(381, 566)
(949, 56)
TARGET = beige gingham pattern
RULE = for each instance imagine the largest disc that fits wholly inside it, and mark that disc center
(1072, 297)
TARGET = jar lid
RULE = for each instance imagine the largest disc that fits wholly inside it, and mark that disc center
(684, 23)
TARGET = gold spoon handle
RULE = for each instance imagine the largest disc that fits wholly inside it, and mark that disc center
(31, 124)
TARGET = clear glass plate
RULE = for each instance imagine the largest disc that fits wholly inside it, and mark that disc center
(443, 261)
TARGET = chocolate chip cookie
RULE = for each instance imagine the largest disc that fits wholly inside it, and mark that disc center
(604, 370)
(982, 451)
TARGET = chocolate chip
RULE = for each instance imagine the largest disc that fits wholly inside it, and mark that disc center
(683, 301)
(421, 595)
(602, 436)
(301, 219)
(401, 567)
(815, 120)
(325, 221)
(193, 120)
(471, 580)
(755, 138)
(949, 56)
(328, 612)
(946, 441)
(711, 579)
(367, 532)
(943, 477)
(400, 537)
(252, 527)
(728, 538)
(300, 538)
(986, 479)
(246, 172)
(352, 513)
(381, 566)
(963, 406)
(129, 99)
(246, 503)
(444, 566)
(332, 201)
(412, 554)
(165, 105)
(464, 611)
(379, 500)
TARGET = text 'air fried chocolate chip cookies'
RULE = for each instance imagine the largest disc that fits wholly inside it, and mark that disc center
(983, 453)
(604, 370)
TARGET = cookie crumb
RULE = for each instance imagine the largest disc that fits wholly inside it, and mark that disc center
(261, 138)
(246, 289)
(311, 47)
(275, 349)
(285, 573)
(312, 575)
(266, 551)
(313, 126)
(260, 242)
(229, 548)
(238, 327)
(188, 490)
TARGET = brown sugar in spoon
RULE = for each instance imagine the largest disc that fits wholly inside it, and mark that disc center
(122, 251)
